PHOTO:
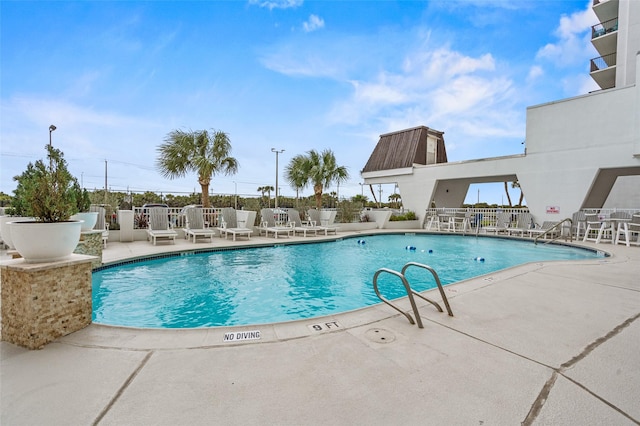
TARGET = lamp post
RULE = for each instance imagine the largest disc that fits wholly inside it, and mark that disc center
(51, 129)
(236, 193)
(277, 152)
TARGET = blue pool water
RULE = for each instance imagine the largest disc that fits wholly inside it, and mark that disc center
(289, 282)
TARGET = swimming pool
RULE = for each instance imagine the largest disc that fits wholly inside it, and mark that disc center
(287, 282)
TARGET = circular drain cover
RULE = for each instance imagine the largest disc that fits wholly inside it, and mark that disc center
(380, 335)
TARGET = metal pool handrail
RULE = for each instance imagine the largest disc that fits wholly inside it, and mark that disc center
(411, 292)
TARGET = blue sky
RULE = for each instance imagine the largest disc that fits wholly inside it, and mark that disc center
(117, 77)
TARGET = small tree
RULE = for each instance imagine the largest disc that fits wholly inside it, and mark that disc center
(46, 192)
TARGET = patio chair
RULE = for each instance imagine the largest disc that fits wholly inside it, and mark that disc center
(545, 228)
(101, 223)
(268, 225)
(195, 226)
(315, 218)
(628, 230)
(578, 225)
(229, 225)
(159, 226)
(503, 220)
(604, 228)
(300, 228)
(459, 221)
(523, 224)
(594, 225)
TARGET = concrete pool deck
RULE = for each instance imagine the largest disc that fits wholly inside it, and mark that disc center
(545, 343)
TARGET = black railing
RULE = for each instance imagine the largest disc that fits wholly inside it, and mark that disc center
(603, 28)
(603, 62)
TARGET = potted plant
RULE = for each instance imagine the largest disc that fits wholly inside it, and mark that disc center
(11, 214)
(46, 192)
(83, 203)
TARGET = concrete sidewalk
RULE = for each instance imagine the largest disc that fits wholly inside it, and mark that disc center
(545, 343)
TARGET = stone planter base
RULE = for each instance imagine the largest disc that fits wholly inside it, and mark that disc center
(44, 301)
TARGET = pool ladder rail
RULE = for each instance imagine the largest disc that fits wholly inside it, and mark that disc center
(411, 293)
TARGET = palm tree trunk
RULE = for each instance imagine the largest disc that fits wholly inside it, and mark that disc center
(521, 197)
(375, 200)
(317, 190)
(506, 189)
(205, 195)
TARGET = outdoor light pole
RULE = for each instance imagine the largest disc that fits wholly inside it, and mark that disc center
(277, 152)
(51, 129)
(236, 194)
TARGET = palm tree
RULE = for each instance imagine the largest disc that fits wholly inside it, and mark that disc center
(202, 152)
(268, 190)
(362, 199)
(395, 199)
(294, 174)
(317, 169)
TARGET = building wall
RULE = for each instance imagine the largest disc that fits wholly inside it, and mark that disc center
(628, 41)
(575, 150)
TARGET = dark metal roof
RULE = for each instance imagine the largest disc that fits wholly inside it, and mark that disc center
(404, 148)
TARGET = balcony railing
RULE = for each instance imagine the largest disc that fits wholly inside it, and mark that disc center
(603, 28)
(603, 62)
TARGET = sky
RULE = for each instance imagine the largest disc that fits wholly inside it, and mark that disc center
(295, 75)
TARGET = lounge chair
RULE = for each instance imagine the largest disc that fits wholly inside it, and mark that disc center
(503, 220)
(159, 226)
(315, 217)
(101, 223)
(229, 225)
(300, 228)
(523, 224)
(268, 225)
(628, 230)
(545, 227)
(578, 225)
(195, 226)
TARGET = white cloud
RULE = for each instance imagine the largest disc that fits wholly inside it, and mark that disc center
(314, 23)
(435, 88)
(86, 136)
(535, 72)
(573, 44)
(277, 4)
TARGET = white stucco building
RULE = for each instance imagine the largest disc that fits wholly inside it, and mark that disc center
(581, 152)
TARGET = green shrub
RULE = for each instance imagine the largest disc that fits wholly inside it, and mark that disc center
(46, 192)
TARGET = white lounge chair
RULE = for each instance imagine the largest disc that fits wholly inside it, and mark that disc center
(159, 226)
(195, 227)
(268, 225)
(315, 217)
(523, 224)
(101, 223)
(503, 220)
(229, 225)
(545, 227)
(299, 228)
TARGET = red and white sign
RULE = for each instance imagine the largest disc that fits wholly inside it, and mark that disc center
(553, 210)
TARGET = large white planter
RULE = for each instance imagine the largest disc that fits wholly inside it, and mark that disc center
(39, 242)
(89, 218)
(5, 230)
